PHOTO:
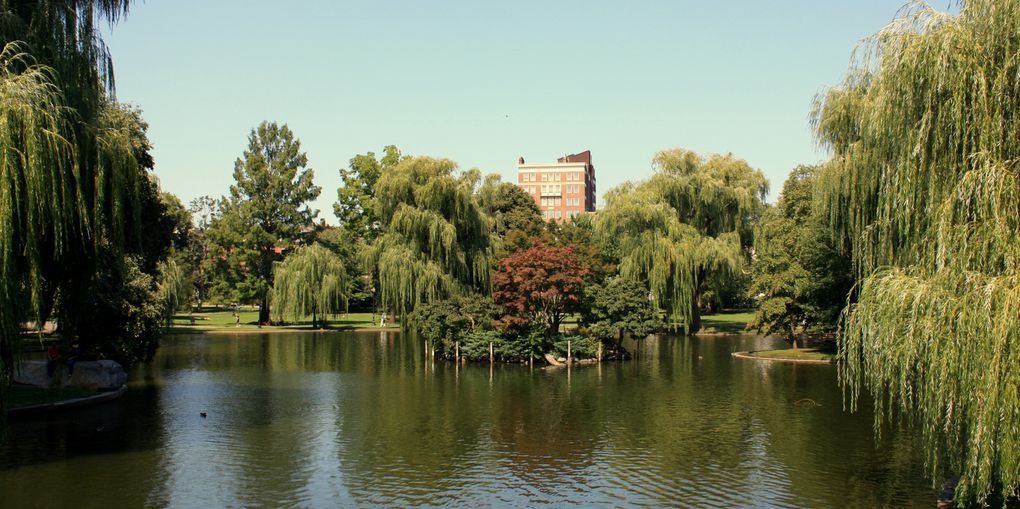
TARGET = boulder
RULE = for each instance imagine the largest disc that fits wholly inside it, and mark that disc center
(98, 375)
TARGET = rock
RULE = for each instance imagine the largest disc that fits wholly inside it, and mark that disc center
(104, 374)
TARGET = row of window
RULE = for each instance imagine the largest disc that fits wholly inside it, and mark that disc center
(554, 189)
(553, 201)
(550, 177)
(557, 214)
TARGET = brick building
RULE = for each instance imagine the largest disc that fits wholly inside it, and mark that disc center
(562, 189)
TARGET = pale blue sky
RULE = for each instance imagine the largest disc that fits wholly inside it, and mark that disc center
(483, 82)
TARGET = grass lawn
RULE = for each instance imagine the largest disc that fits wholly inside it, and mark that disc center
(807, 354)
(731, 322)
(224, 320)
(23, 395)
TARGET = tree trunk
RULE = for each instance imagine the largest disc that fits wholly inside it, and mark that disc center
(695, 324)
(263, 310)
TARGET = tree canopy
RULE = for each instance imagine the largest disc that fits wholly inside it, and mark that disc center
(798, 279)
(923, 190)
(311, 281)
(355, 205)
(266, 213)
(539, 286)
(689, 222)
(435, 242)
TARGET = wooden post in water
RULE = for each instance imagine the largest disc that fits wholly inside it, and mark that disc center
(456, 349)
(570, 358)
(492, 354)
(599, 355)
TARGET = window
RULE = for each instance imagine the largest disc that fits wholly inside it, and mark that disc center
(557, 176)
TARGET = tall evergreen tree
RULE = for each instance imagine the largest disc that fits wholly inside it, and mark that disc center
(688, 223)
(923, 189)
(266, 213)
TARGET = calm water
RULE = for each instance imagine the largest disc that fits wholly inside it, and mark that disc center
(359, 419)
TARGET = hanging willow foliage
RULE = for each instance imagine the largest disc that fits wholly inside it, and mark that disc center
(312, 281)
(172, 287)
(923, 189)
(436, 240)
(687, 223)
(38, 200)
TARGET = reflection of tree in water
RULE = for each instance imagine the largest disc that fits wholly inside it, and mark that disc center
(798, 408)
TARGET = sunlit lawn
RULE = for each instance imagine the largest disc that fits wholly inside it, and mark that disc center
(224, 319)
(732, 322)
(810, 354)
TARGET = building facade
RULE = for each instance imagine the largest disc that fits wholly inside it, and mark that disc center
(562, 189)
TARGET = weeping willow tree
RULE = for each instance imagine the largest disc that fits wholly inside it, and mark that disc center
(67, 186)
(436, 241)
(688, 223)
(312, 281)
(923, 189)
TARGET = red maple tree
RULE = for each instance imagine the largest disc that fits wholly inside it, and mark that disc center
(538, 285)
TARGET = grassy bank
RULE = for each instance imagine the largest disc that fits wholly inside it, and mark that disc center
(216, 320)
(801, 354)
(729, 322)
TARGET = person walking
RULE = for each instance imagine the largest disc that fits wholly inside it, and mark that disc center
(382, 319)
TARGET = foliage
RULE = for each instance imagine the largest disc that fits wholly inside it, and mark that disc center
(538, 286)
(449, 321)
(436, 241)
(510, 209)
(617, 307)
(355, 205)
(687, 224)
(597, 254)
(923, 190)
(125, 311)
(311, 281)
(342, 242)
(266, 213)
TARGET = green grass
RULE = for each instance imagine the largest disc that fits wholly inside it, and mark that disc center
(224, 320)
(22, 396)
(807, 354)
(731, 322)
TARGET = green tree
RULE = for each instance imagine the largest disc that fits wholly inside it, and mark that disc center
(509, 208)
(435, 242)
(687, 224)
(266, 213)
(620, 306)
(923, 191)
(311, 281)
(446, 323)
(355, 205)
(798, 278)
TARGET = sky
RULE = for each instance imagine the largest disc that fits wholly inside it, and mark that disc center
(483, 83)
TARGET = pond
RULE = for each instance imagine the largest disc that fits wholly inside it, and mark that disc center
(362, 419)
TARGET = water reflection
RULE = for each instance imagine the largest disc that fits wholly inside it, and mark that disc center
(364, 419)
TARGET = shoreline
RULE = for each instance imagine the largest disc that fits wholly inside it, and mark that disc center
(750, 355)
(184, 331)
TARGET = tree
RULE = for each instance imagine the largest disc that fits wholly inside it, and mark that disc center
(509, 208)
(355, 205)
(435, 242)
(266, 213)
(618, 307)
(196, 258)
(923, 191)
(688, 223)
(799, 280)
(445, 323)
(311, 281)
(538, 286)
